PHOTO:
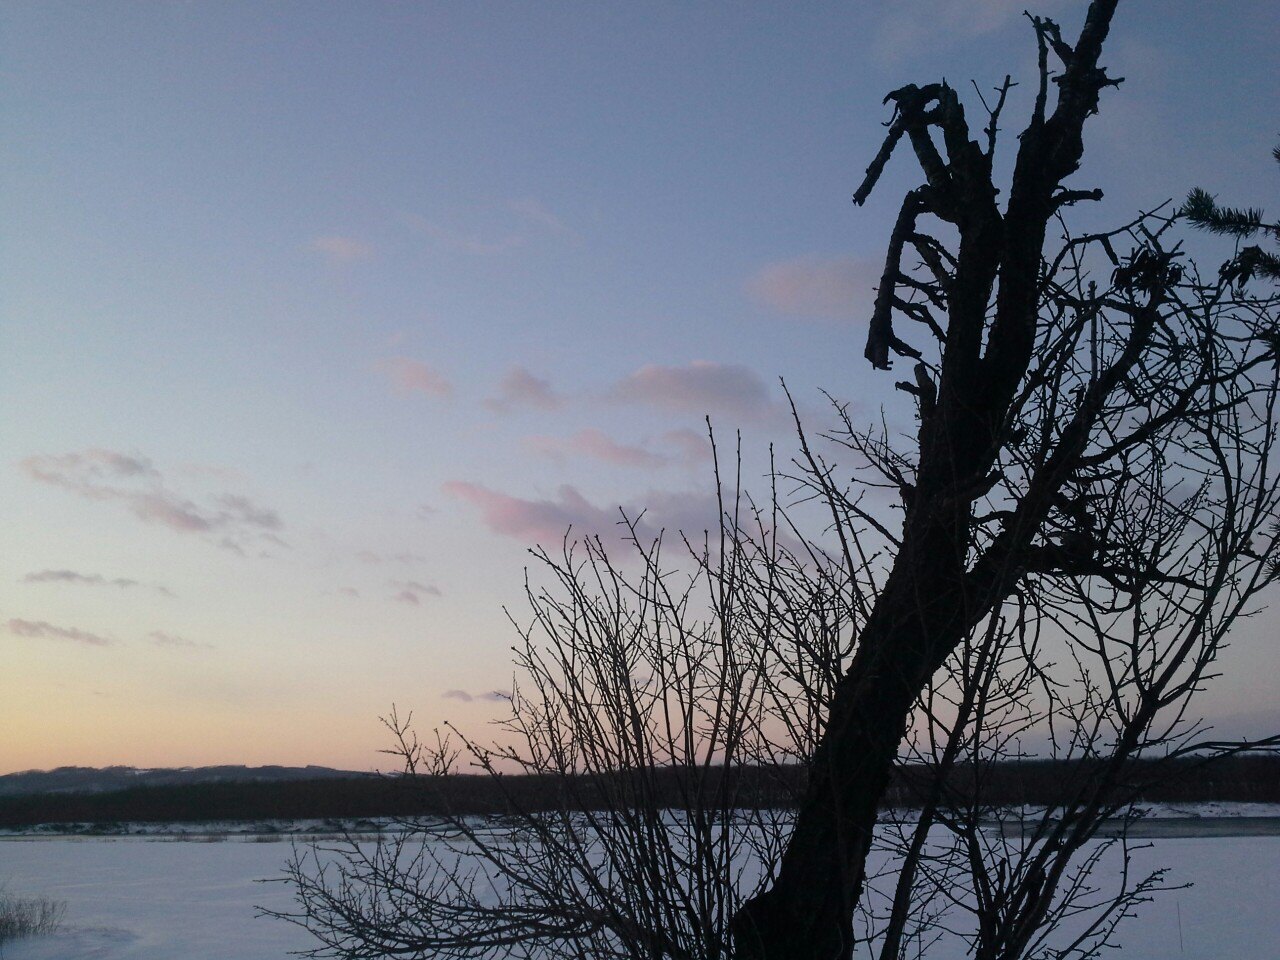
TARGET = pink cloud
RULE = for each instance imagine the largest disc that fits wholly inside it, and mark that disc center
(520, 388)
(413, 376)
(533, 520)
(596, 445)
(91, 579)
(340, 249)
(412, 592)
(693, 446)
(835, 289)
(546, 521)
(40, 630)
(169, 511)
(82, 470)
(107, 476)
(701, 387)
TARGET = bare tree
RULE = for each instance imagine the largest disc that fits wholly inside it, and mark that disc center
(1048, 564)
(665, 717)
(1047, 408)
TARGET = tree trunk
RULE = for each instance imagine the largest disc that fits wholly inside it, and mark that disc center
(807, 915)
(936, 591)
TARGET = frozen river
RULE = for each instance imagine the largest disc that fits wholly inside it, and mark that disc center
(140, 899)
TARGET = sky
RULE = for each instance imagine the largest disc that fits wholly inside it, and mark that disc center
(315, 316)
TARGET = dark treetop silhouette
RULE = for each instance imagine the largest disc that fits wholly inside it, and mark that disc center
(953, 567)
(938, 589)
(1204, 211)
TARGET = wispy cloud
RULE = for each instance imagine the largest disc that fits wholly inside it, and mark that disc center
(90, 466)
(465, 697)
(42, 630)
(92, 580)
(840, 288)
(341, 249)
(521, 389)
(595, 445)
(413, 376)
(241, 509)
(547, 520)
(413, 592)
(701, 387)
(161, 639)
(132, 481)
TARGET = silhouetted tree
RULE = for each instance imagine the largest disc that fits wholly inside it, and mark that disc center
(1043, 396)
(1086, 505)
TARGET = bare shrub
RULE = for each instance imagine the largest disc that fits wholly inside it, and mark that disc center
(28, 916)
(668, 716)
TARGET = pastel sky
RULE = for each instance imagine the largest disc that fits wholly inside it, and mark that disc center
(314, 316)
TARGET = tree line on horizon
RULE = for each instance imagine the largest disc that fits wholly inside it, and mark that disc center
(1252, 779)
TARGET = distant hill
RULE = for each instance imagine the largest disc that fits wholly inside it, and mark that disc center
(110, 779)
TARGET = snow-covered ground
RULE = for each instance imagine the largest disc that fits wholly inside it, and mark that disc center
(149, 898)
(139, 899)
